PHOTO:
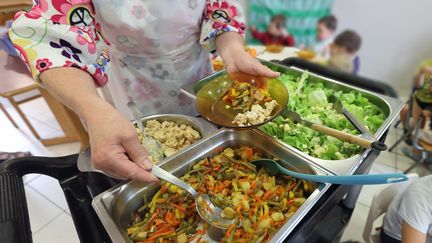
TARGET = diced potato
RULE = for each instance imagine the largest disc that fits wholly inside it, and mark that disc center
(246, 205)
(245, 186)
(141, 236)
(259, 193)
(299, 201)
(182, 238)
(277, 216)
(267, 185)
(237, 198)
(229, 152)
(228, 213)
(291, 195)
(265, 223)
(247, 225)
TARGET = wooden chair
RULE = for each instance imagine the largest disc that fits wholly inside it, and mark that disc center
(8, 8)
(16, 81)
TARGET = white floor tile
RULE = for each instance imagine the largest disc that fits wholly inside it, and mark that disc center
(387, 158)
(57, 133)
(378, 168)
(367, 193)
(50, 188)
(42, 129)
(29, 177)
(48, 119)
(61, 229)
(12, 139)
(403, 162)
(355, 227)
(41, 210)
(35, 107)
(64, 149)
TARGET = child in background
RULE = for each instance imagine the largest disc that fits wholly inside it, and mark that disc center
(276, 33)
(343, 52)
(326, 29)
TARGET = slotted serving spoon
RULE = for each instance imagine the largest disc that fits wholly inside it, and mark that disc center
(274, 168)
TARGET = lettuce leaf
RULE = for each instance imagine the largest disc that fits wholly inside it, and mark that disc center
(310, 100)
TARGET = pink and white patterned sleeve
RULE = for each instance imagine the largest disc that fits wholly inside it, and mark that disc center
(220, 16)
(60, 33)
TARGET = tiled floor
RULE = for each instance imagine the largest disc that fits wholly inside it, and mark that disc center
(49, 215)
(387, 162)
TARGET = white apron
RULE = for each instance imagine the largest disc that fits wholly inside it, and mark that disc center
(153, 58)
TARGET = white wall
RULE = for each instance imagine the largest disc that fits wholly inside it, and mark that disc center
(397, 35)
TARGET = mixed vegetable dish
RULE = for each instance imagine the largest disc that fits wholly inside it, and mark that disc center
(242, 95)
(254, 103)
(310, 100)
(259, 203)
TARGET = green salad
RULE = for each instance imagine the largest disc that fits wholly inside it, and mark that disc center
(310, 100)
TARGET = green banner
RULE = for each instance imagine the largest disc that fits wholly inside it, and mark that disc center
(302, 17)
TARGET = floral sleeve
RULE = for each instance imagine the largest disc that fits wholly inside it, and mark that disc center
(220, 16)
(60, 33)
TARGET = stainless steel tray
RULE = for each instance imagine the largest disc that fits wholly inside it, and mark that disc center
(389, 106)
(115, 206)
(204, 128)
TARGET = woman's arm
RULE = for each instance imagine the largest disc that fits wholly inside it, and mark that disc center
(411, 235)
(222, 30)
(230, 46)
(114, 142)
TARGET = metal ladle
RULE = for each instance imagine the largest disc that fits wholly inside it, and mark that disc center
(204, 206)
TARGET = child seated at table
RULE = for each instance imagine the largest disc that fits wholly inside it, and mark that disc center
(421, 103)
(343, 52)
(276, 33)
(326, 28)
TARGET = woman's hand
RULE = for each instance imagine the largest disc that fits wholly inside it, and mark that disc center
(231, 48)
(113, 139)
(115, 146)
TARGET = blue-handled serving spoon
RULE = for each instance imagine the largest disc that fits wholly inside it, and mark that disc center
(273, 168)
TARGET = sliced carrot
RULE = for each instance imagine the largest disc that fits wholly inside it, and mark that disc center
(178, 207)
(217, 150)
(291, 186)
(228, 232)
(151, 220)
(267, 195)
(163, 189)
(156, 235)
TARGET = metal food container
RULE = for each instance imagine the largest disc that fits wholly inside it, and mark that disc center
(389, 106)
(202, 126)
(115, 206)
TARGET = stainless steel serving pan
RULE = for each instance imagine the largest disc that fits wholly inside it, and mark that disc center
(389, 106)
(204, 128)
(115, 206)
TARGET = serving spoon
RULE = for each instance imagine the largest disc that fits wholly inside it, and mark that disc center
(274, 168)
(153, 147)
(204, 206)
